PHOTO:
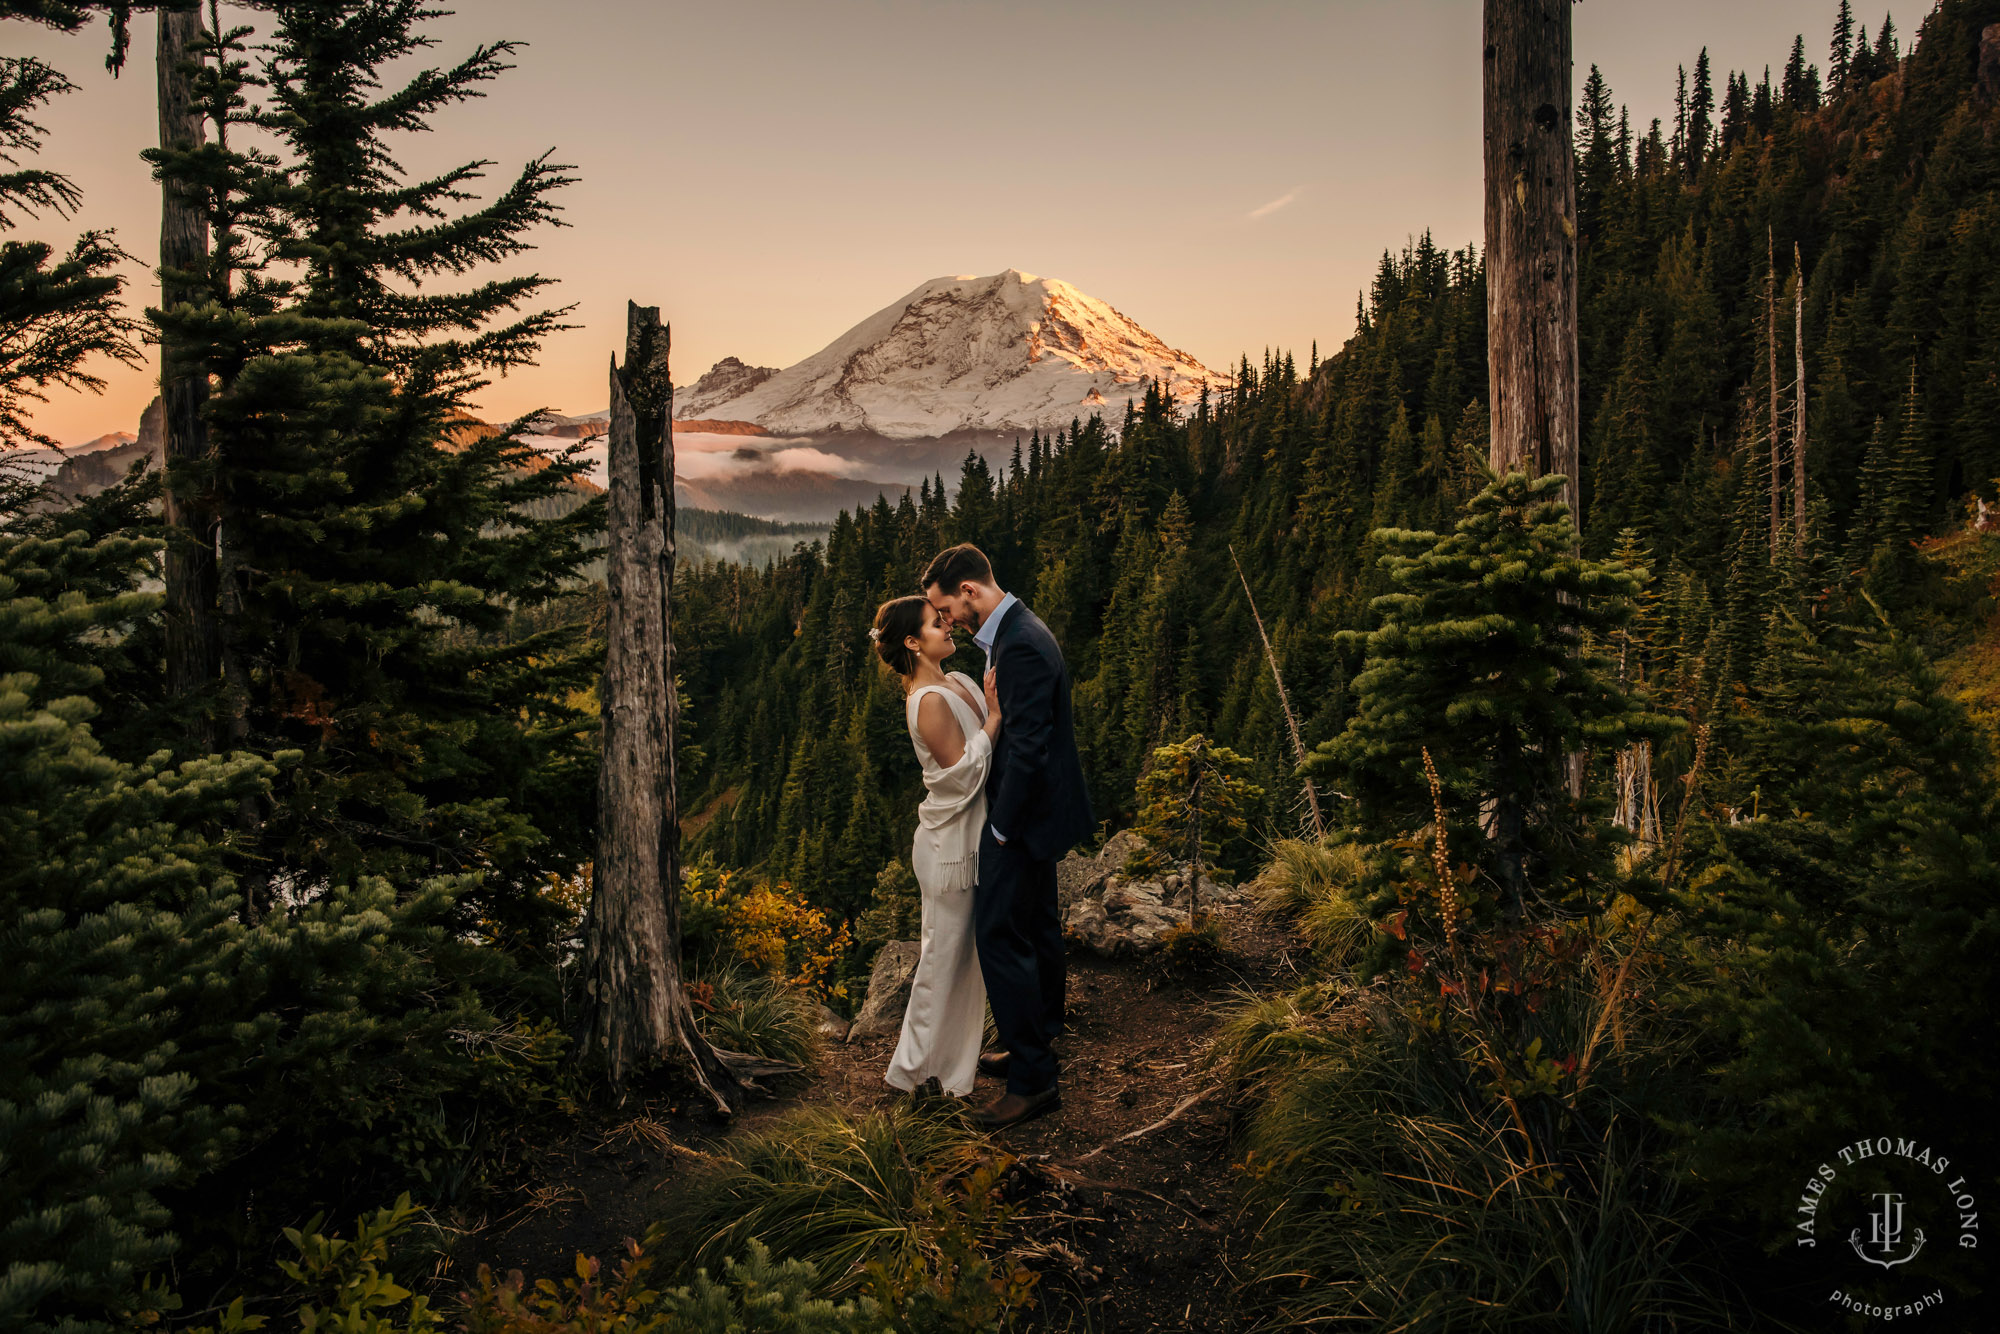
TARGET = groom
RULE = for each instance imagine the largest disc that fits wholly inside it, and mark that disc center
(1036, 809)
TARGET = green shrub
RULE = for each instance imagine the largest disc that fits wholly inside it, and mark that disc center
(1190, 952)
(1844, 943)
(344, 1287)
(755, 1293)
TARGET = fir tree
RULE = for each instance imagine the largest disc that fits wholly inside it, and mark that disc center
(1700, 116)
(381, 546)
(1840, 49)
(117, 917)
(1829, 920)
(1886, 54)
(1473, 664)
(56, 314)
(1801, 82)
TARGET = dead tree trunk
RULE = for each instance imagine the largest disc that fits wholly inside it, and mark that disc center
(194, 643)
(1531, 360)
(1799, 411)
(1530, 163)
(1771, 348)
(1284, 701)
(632, 962)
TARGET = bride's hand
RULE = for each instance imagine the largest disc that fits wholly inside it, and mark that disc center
(992, 701)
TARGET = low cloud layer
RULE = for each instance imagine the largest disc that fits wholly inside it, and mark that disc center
(701, 457)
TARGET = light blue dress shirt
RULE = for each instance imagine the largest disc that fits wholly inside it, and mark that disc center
(988, 630)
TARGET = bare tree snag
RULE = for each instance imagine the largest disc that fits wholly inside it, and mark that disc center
(194, 644)
(1799, 411)
(1771, 348)
(1284, 701)
(632, 953)
(1531, 359)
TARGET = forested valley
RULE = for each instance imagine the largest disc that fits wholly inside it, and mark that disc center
(1610, 934)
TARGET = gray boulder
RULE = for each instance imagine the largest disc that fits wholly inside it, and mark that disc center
(888, 991)
(1122, 917)
(831, 1026)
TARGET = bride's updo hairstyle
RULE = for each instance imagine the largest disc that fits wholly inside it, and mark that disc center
(895, 621)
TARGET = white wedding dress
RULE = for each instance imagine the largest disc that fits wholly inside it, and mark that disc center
(947, 1014)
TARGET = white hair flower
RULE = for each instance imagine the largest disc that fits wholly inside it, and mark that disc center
(874, 635)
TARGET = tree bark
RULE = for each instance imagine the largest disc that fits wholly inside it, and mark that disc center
(1799, 411)
(1531, 241)
(194, 643)
(640, 1011)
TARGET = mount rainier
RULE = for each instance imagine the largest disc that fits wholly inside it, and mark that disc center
(1006, 353)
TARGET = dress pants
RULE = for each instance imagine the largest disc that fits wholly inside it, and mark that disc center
(1021, 957)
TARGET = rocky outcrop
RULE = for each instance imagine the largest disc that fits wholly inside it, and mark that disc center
(1079, 876)
(86, 474)
(727, 379)
(1109, 913)
(888, 991)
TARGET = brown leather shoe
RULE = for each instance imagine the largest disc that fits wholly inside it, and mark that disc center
(1013, 1108)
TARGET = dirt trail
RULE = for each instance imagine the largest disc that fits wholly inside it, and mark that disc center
(1150, 1238)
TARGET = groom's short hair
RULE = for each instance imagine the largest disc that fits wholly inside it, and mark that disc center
(957, 565)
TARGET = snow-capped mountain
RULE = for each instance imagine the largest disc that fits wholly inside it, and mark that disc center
(1011, 352)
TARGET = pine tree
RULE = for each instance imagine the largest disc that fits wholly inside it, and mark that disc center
(1471, 664)
(1736, 110)
(1597, 151)
(1700, 116)
(117, 917)
(381, 547)
(1801, 82)
(56, 314)
(1886, 54)
(1869, 875)
(1841, 48)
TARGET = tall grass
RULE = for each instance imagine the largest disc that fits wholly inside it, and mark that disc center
(1392, 1191)
(898, 1191)
(1314, 885)
(758, 1015)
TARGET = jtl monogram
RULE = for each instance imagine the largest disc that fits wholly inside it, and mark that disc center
(1885, 1233)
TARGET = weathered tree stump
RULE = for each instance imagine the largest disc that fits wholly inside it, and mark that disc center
(632, 959)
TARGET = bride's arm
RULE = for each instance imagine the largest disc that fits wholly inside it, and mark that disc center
(940, 731)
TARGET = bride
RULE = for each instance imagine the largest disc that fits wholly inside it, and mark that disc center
(952, 727)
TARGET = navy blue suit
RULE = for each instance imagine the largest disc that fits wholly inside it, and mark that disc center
(1035, 795)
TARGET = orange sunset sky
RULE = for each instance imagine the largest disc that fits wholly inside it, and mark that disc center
(1227, 174)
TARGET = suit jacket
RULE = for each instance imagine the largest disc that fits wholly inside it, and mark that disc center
(1035, 791)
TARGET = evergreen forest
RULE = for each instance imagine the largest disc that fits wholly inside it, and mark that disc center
(1656, 852)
